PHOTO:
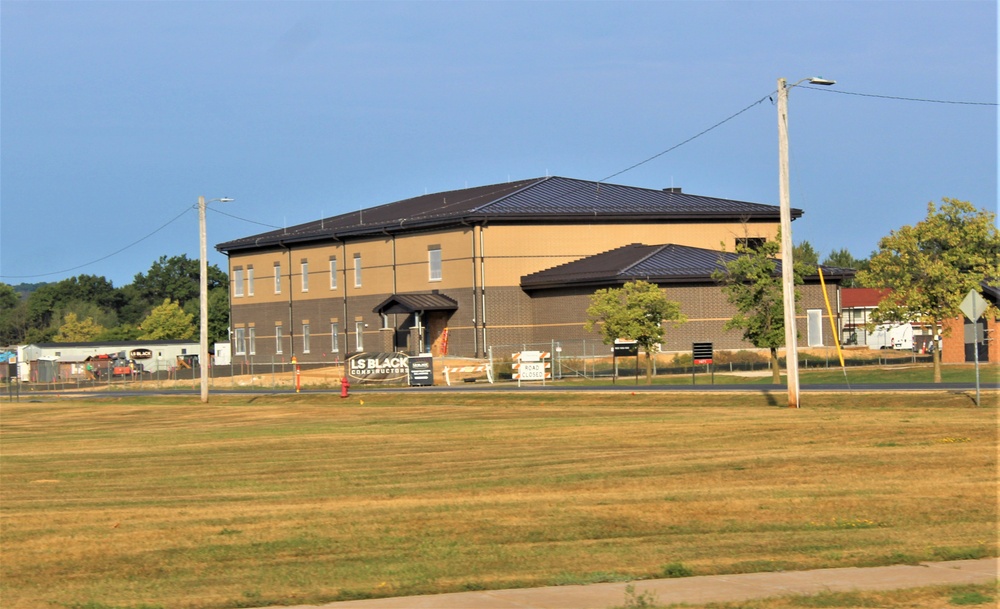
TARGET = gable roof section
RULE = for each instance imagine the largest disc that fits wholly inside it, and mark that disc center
(550, 199)
(654, 263)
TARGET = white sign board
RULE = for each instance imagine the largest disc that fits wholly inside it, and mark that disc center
(974, 305)
(532, 371)
(531, 356)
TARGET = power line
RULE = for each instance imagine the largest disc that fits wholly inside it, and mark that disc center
(219, 211)
(898, 98)
(690, 139)
(114, 253)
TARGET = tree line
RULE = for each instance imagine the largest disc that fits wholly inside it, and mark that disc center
(161, 304)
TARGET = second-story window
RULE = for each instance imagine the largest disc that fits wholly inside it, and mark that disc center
(277, 278)
(333, 273)
(237, 282)
(357, 270)
(305, 275)
(434, 262)
(249, 280)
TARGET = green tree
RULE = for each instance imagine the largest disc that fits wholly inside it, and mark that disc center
(75, 330)
(176, 278)
(12, 316)
(636, 311)
(843, 258)
(931, 266)
(805, 254)
(168, 322)
(120, 332)
(752, 283)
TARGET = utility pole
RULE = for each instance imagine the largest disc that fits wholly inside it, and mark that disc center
(203, 293)
(787, 264)
(787, 269)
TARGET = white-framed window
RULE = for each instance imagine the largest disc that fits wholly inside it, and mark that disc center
(305, 275)
(277, 278)
(277, 339)
(357, 270)
(239, 342)
(252, 341)
(333, 273)
(434, 262)
(359, 335)
(237, 282)
(305, 338)
(335, 337)
(249, 280)
(814, 327)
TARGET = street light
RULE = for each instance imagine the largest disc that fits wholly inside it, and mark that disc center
(787, 271)
(203, 353)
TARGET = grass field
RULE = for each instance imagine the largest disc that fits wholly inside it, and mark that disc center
(250, 501)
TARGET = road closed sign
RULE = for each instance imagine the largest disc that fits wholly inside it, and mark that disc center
(532, 371)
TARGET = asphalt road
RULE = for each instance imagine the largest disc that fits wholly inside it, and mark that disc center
(989, 391)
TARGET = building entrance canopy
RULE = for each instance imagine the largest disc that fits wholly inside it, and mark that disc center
(415, 303)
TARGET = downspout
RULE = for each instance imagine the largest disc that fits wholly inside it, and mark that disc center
(482, 276)
(347, 334)
(385, 318)
(291, 317)
(475, 284)
(229, 299)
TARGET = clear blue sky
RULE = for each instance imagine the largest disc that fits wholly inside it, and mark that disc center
(116, 116)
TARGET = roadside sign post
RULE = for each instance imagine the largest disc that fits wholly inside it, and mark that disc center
(625, 348)
(974, 306)
(702, 353)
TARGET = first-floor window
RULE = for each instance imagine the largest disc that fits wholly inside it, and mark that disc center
(335, 338)
(814, 327)
(240, 341)
(277, 339)
(252, 341)
(359, 335)
(305, 338)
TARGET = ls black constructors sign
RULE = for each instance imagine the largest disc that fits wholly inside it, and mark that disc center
(702, 353)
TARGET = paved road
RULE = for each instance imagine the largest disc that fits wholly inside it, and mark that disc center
(989, 390)
(698, 590)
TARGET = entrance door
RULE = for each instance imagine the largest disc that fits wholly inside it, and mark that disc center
(971, 340)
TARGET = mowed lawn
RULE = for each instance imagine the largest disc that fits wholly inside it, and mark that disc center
(250, 501)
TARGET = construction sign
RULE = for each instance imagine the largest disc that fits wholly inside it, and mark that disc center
(532, 366)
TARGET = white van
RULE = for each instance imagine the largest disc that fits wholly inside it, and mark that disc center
(892, 336)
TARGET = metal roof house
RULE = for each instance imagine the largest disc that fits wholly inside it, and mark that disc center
(468, 269)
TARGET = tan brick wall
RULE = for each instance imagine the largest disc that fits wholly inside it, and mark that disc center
(400, 264)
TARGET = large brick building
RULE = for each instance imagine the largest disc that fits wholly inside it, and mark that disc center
(493, 265)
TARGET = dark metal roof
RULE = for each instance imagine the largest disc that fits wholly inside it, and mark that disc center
(550, 199)
(991, 292)
(411, 303)
(653, 263)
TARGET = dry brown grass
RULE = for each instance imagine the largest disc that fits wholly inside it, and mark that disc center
(293, 499)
